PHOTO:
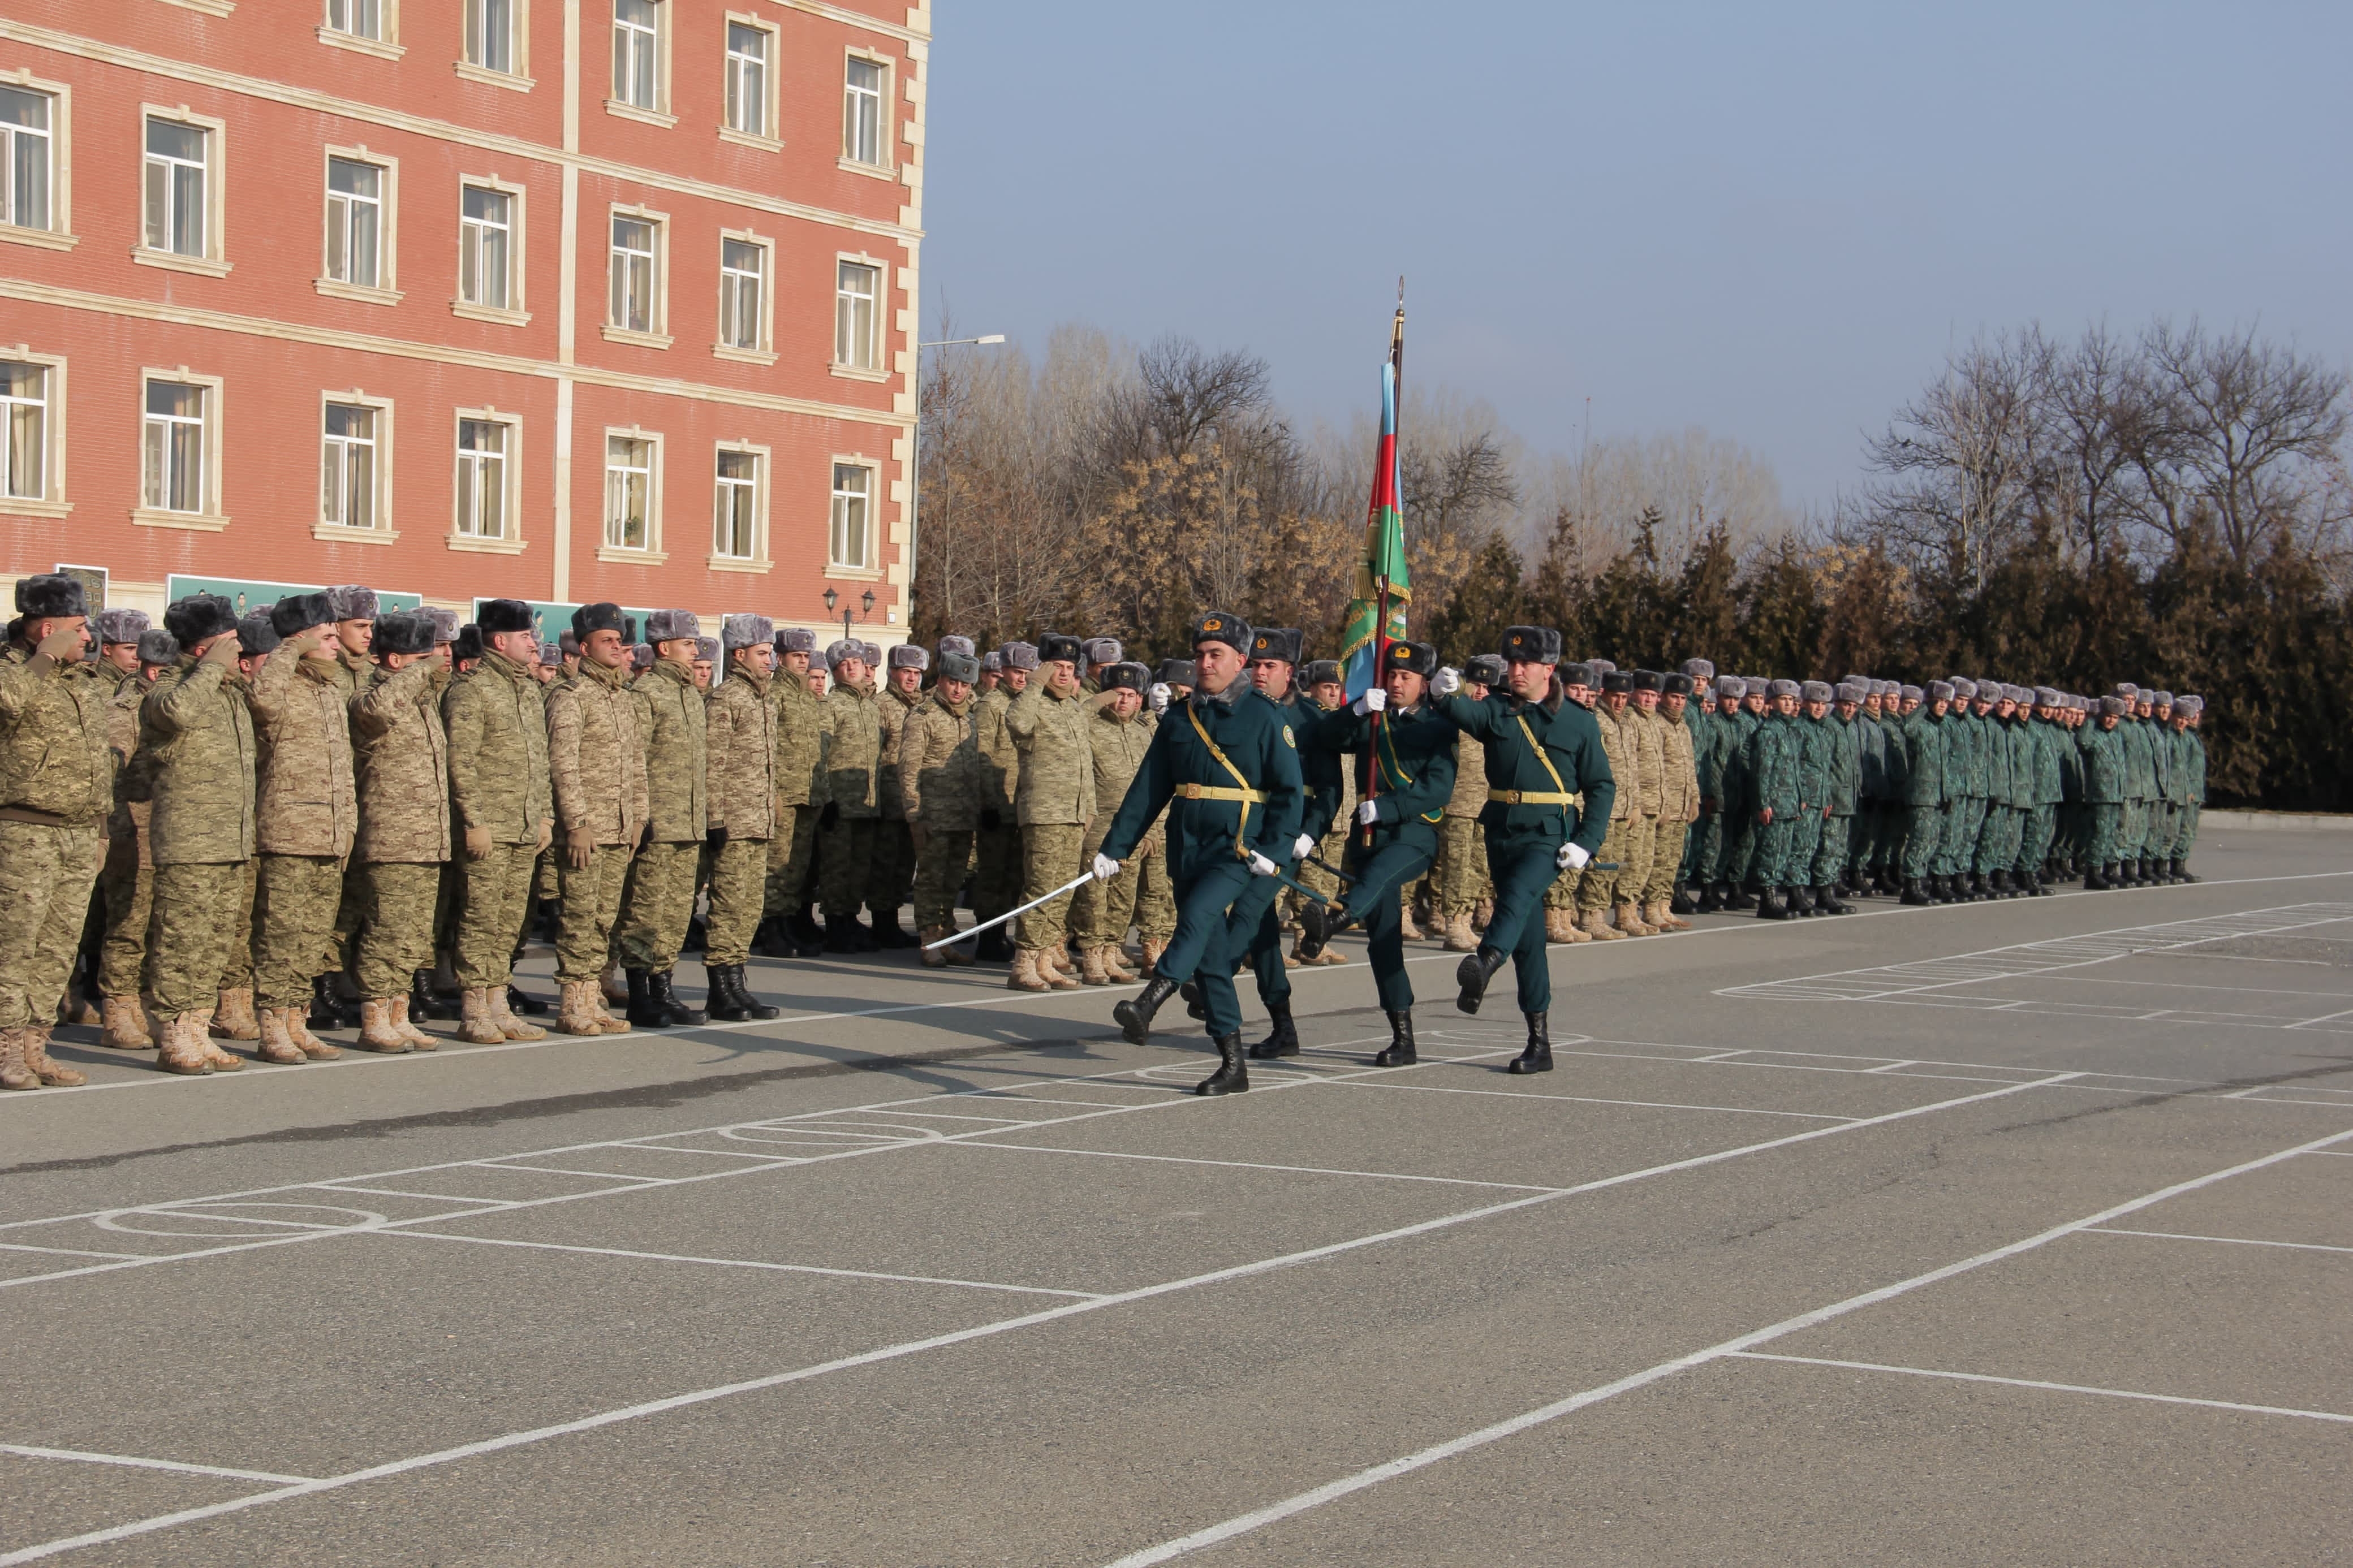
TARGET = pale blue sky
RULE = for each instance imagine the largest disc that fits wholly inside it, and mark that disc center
(1768, 220)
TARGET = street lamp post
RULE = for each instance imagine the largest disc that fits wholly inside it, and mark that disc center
(865, 609)
(915, 465)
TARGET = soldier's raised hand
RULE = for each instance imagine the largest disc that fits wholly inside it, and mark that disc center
(64, 644)
(1373, 701)
(1446, 682)
(303, 641)
(1157, 695)
(224, 651)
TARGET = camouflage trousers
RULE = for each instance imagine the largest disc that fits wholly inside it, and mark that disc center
(1804, 841)
(236, 969)
(1832, 850)
(939, 875)
(46, 874)
(2184, 830)
(129, 889)
(791, 853)
(1155, 895)
(1667, 859)
(890, 873)
(545, 882)
(1924, 827)
(2035, 841)
(997, 870)
(2158, 842)
(493, 903)
(738, 879)
(845, 865)
(592, 903)
(194, 921)
(658, 904)
(1101, 912)
(1628, 843)
(1460, 873)
(2107, 825)
(1997, 839)
(295, 905)
(351, 912)
(396, 940)
(1769, 860)
(1050, 858)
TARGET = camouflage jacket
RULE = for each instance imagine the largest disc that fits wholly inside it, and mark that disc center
(1616, 738)
(1679, 779)
(1057, 765)
(941, 773)
(403, 755)
(800, 739)
(678, 786)
(999, 760)
(55, 755)
(853, 735)
(1119, 745)
(596, 758)
(1469, 796)
(497, 724)
(740, 743)
(133, 802)
(196, 727)
(892, 709)
(1648, 731)
(305, 803)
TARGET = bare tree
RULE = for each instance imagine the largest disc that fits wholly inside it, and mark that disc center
(1961, 465)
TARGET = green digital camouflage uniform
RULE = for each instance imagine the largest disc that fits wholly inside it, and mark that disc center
(2106, 782)
(402, 753)
(499, 778)
(1842, 791)
(740, 747)
(943, 783)
(853, 754)
(195, 725)
(57, 787)
(1054, 802)
(661, 898)
(1924, 792)
(1773, 754)
(597, 772)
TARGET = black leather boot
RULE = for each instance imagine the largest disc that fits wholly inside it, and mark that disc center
(642, 1014)
(1315, 928)
(1473, 975)
(1914, 894)
(675, 1013)
(806, 931)
(2092, 881)
(994, 946)
(1537, 1057)
(1195, 1007)
(1769, 906)
(326, 1008)
(1133, 1014)
(888, 931)
(729, 1001)
(1400, 1053)
(1801, 900)
(1683, 903)
(2181, 873)
(1999, 883)
(2111, 877)
(1711, 899)
(1826, 902)
(839, 937)
(518, 1003)
(422, 1003)
(1284, 1039)
(1738, 898)
(1231, 1077)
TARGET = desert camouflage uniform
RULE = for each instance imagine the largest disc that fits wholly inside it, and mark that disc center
(127, 881)
(943, 783)
(1598, 889)
(1055, 800)
(853, 747)
(660, 899)
(741, 746)
(57, 785)
(997, 851)
(800, 790)
(497, 778)
(196, 727)
(1678, 805)
(1460, 873)
(402, 754)
(597, 770)
(306, 814)
(1102, 913)
(353, 673)
(891, 874)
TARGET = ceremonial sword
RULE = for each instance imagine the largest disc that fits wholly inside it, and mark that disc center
(1081, 880)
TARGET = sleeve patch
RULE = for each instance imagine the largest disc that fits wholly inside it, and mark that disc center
(1287, 738)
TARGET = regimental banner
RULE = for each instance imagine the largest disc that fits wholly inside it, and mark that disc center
(249, 595)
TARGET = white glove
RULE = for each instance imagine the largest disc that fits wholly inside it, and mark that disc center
(1374, 699)
(1260, 866)
(1105, 868)
(1369, 813)
(1303, 847)
(1571, 858)
(1446, 682)
(1157, 695)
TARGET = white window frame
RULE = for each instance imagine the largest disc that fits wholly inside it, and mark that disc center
(880, 339)
(211, 518)
(762, 351)
(379, 531)
(51, 503)
(652, 553)
(759, 560)
(514, 313)
(883, 163)
(659, 111)
(656, 333)
(768, 138)
(835, 566)
(57, 233)
(511, 541)
(384, 43)
(385, 289)
(516, 75)
(212, 261)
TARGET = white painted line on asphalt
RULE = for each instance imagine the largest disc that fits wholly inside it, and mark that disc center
(962, 1336)
(742, 1263)
(2049, 1387)
(2324, 1018)
(25, 1451)
(2188, 985)
(1332, 1491)
(65, 1251)
(2230, 1240)
(1255, 1165)
(1891, 1066)
(1595, 1099)
(614, 1176)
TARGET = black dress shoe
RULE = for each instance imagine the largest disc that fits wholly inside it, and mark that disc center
(1473, 975)
(1282, 1040)
(1400, 1052)
(1133, 1014)
(1537, 1057)
(1232, 1075)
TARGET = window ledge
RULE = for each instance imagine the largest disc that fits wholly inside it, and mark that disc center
(172, 262)
(335, 288)
(630, 557)
(871, 171)
(467, 70)
(642, 340)
(209, 7)
(497, 315)
(849, 373)
(472, 545)
(194, 521)
(737, 563)
(614, 105)
(359, 44)
(747, 139)
(742, 356)
(45, 238)
(835, 572)
(338, 533)
(26, 506)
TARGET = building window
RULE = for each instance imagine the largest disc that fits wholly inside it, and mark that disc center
(490, 35)
(856, 291)
(862, 112)
(743, 293)
(637, 53)
(27, 156)
(747, 78)
(24, 457)
(349, 467)
(633, 276)
(629, 492)
(176, 180)
(486, 249)
(483, 457)
(852, 541)
(360, 18)
(173, 457)
(354, 223)
(735, 511)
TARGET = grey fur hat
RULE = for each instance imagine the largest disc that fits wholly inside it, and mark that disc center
(668, 625)
(1777, 690)
(1100, 652)
(1911, 694)
(1174, 672)
(1699, 670)
(353, 602)
(910, 656)
(992, 660)
(707, 649)
(1939, 691)
(1567, 674)
(2162, 700)
(121, 625)
(1854, 691)
(954, 644)
(50, 595)
(959, 667)
(412, 633)
(158, 646)
(873, 654)
(1020, 655)
(795, 639)
(1122, 676)
(2127, 690)
(2046, 697)
(254, 634)
(2112, 707)
(641, 656)
(746, 631)
(1487, 669)
(445, 622)
(1730, 686)
(1963, 688)
(1599, 666)
(2190, 706)
(842, 649)
(1816, 691)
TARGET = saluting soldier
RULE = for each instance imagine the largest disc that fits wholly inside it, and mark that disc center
(997, 846)
(597, 770)
(127, 880)
(800, 798)
(1224, 764)
(742, 748)
(501, 796)
(660, 900)
(853, 749)
(401, 752)
(1119, 734)
(944, 782)
(891, 874)
(1056, 799)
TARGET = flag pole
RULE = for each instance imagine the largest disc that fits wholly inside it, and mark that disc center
(1381, 625)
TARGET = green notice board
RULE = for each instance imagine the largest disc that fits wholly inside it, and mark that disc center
(248, 595)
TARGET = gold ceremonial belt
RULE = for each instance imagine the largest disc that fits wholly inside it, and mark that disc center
(1530, 797)
(1220, 792)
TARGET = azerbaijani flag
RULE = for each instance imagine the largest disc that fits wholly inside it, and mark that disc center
(1384, 566)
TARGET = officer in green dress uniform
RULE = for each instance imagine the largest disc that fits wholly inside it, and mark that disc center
(1274, 659)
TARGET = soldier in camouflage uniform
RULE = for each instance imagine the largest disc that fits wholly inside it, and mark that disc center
(126, 882)
(741, 740)
(944, 783)
(116, 633)
(1118, 734)
(891, 874)
(1817, 757)
(1678, 803)
(800, 797)
(1718, 827)
(1054, 801)
(402, 756)
(1841, 793)
(597, 770)
(1775, 799)
(1596, 890)
(502, 808)
(1648, 733)
(854, 754)
(996, 849)
(57, 787)
(659, 898)
(1461, 870)
(1156, 892)
(355, 606)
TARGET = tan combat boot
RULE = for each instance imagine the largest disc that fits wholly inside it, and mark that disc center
(1056, 969)
(1153, 947)
(1411, 932)
(233, 1019)
(933, 957)
(1558, 925)
(1596, 925)
(410, 1032)
(576, 1011)
(183, 1049)
(76, 1007)
(37, 1062)
(298, 1033)
(612, 987)
(476, 1023)
(1629, 921)
(14, 1073)
(1460, 937)
(1090, 966)
(1659, 915)
(1024, 975)
(502, 1017)
(956, 957)
(223, 1061)
(277, 1044)
(126, 1025)
(377, 1033)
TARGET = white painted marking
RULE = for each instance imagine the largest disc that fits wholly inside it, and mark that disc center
(1255, 1165)
(1891, 1066)
(2230, 1240)
(744, 1263)
(2050, 1387)
(27, 1451)
(65, 1251)
(1593, 1100)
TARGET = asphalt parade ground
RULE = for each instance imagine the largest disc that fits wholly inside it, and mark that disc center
(2015, 1232)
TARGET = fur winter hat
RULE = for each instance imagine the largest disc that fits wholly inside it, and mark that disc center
(1531, 645)
(1648, 680)
(1939, 691)
(668, 626)
(1120, 676)
(1911, 694)
(256, 636)
(601, 616)
(706, 650)
(1568, 675)
(1617, 680)
(954, 644)
(1815, 691)
(1699, 670)
(1413, 657)
(408, 633)
(467, 646)
(959, 667)
(2114, 707)
(2161, 700)
(641, 657)
(992, 662)
(121, 625)
(1730, 686)
(1488, 670)
(353, 602)
(158, 646)
(910, 656)
(1283, 643)
(746, 631)
(445, 622)
(567, 644)
(1678, 684)
(1100, 652)
(199, 617)
(498, 616)
(1174, 672)
(300, 612)
(1777, 690)
(2046, 697)
(843, 649)
(1020, 655)
(1599, 666)
(1854, 691)
(1054, 647)
(1219, 626)
(795, 639)
(1962, 689)
(50, 595)
(1322, 671)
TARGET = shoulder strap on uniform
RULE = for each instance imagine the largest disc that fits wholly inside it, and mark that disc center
(1241, 825)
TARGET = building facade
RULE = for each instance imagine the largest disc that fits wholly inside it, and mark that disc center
(550, 299)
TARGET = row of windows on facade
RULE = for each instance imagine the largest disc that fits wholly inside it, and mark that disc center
(180, 167)
(641, 65)
(180, 462)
